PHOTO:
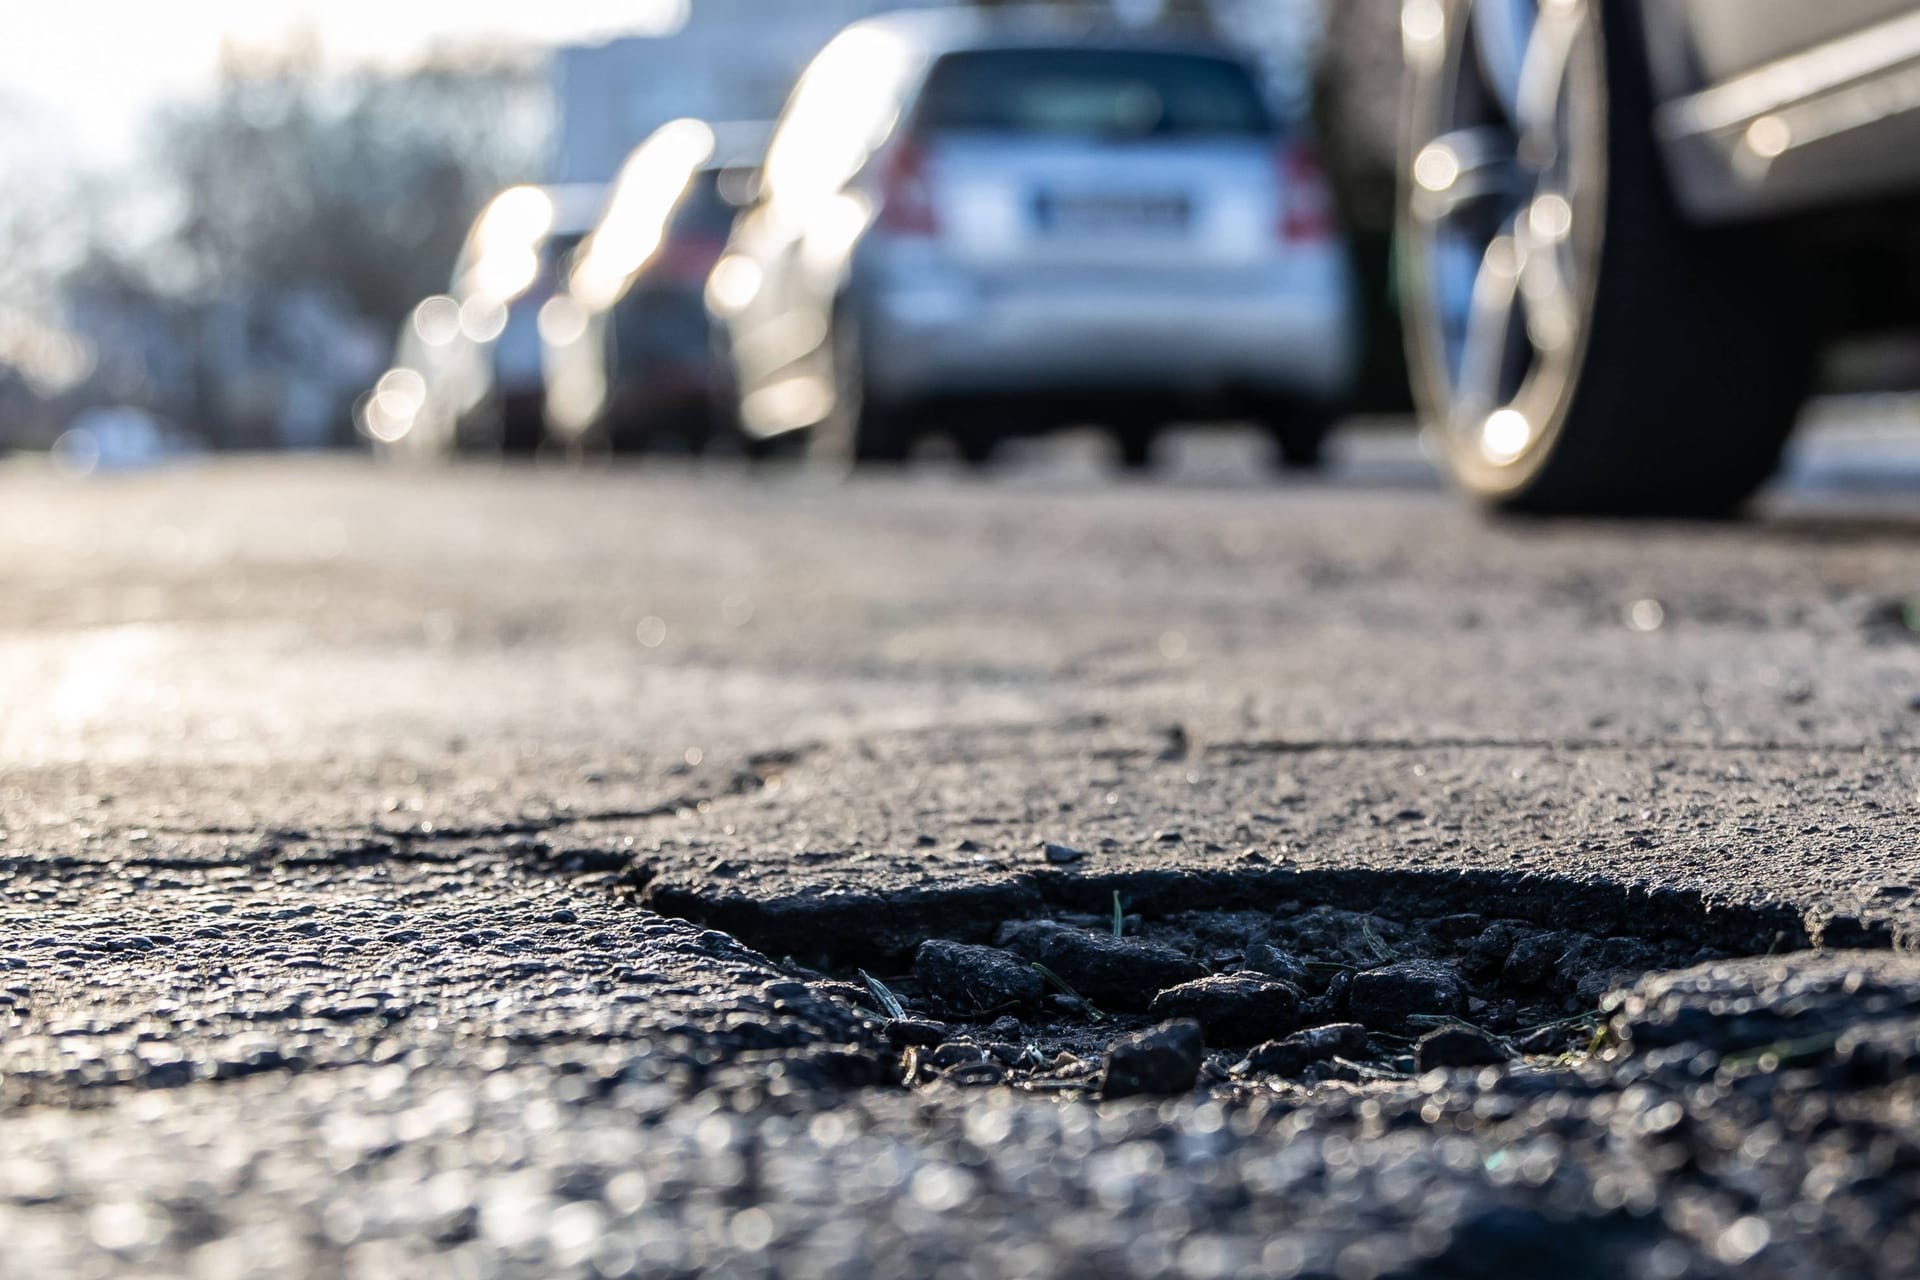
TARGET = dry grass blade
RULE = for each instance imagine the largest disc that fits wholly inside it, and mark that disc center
(1060, 983)
(881, 992)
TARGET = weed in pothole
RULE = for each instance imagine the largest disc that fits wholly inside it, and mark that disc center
(1230, 1000)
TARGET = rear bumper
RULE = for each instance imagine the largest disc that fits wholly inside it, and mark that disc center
(1289, 330)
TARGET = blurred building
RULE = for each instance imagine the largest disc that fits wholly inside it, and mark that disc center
(737, 60)
(263, 369)
(43, 362)
(733, 60)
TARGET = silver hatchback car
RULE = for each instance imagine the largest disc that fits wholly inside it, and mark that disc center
(1013, 220)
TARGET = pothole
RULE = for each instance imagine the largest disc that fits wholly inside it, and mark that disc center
(1237, 982)
(1306, 996)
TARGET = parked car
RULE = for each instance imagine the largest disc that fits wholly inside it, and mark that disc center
(466, 374)
(1626, 228)
(627, 342)
(1015, 220)
(410, 409)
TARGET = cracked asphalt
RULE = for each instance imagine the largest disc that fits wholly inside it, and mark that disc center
(460, 872)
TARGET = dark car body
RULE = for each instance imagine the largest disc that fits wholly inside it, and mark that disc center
(627, 342)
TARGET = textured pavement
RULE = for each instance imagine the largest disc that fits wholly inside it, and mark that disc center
(441, 871)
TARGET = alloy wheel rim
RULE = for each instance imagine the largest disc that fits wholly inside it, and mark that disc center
(1502, 216)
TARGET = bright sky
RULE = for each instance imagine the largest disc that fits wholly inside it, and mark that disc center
(83, 73)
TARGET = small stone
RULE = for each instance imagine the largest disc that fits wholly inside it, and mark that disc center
(1114, 973)
(1387, 996)
(1234, 1008)
(963, 979)
(1457, 928)
(1264, 957)
(1533, 961)
(964, 845)
(1457, 1047)
(1293, 1055)
(1490, 950)
(1161, 1062)
(902, 1032)
(1061, 854)
(924, 841)
(955, 1053)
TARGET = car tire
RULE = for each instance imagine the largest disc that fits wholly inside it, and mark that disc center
(862, 429)
(1577, 346)
(523, 427)
(976, 446)
(726, 429)
(1299, 435)
(1135, 442)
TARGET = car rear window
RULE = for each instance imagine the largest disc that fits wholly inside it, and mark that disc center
(1103, 93)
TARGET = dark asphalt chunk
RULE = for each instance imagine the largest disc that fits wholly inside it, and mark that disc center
(1061, 854)
(1268, 959)
(1292, 1056)
(1234, 1008)
(1758, 1005)
(1163, 1060)
(1457, 1047)
(1119, 973)
(975, 980)
(1385, 998)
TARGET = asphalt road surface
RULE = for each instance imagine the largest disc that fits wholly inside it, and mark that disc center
(480, 872)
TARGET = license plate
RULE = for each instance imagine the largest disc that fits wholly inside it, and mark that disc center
(1096, 213)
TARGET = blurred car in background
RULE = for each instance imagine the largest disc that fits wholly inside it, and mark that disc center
(467, 373)
(1626, 228)
(627, 341)
(408, 411)
(1019, 219)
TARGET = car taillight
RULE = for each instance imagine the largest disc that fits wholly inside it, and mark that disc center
(686, 260)
(1306, 202)
(906, 193)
